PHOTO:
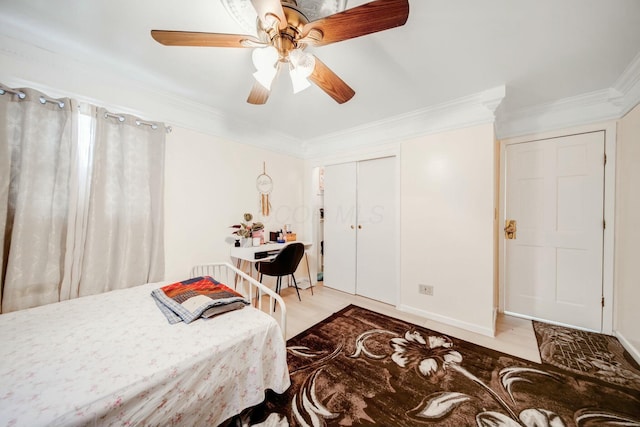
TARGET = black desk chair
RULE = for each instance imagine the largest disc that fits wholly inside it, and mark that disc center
(284, 264)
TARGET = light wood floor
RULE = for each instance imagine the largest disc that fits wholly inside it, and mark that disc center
(514, 336)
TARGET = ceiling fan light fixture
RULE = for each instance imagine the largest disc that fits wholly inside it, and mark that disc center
(302, 62)
(301, 65)
(265, 76)
(265, 60)
(298, 81)
(265, 57)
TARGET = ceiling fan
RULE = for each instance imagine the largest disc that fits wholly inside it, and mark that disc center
(283, 34)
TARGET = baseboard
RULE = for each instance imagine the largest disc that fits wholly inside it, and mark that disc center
(633, 351)
(472, 327)
(303, 283)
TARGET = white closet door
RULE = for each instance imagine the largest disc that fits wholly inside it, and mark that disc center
(376, 243)
(340, 227)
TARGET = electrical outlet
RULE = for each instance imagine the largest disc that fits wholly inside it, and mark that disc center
(425, 289)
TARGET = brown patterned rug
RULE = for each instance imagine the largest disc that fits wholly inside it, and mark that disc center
(587, 353)
(360, 368)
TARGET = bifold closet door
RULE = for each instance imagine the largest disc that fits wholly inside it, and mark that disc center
(340, 227)
(376, 254)
(360, 223)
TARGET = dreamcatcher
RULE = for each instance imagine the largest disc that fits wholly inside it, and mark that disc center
(264, 184)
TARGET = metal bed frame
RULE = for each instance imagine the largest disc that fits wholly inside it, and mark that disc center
(249, 287)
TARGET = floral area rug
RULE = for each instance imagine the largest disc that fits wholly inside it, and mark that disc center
(587, 353)
(360, 368)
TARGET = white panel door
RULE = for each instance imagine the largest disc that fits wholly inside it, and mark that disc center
(554, 191)
(340, 227)
(376, 276)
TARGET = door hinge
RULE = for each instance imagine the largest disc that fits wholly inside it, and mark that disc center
(605, 158)
(604, 224)
(603, 302)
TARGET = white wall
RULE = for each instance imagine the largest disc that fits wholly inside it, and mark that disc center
(447, 227)
(209, 184)
(627, 240)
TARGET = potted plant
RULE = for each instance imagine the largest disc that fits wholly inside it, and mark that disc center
(247, 230)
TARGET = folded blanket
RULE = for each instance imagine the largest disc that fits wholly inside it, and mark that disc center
(191, 299)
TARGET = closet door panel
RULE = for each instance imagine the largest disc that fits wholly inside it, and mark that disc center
(376, 274)
(340, 227)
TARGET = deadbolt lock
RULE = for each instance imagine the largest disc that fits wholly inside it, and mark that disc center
(510, 229)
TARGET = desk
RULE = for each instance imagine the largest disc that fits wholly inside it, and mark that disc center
(266, 252)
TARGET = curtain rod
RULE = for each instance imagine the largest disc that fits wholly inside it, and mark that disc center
(44, 100)
(115, 116)
(139, 122)
(151, 125)
(21, 95)
(154, 126)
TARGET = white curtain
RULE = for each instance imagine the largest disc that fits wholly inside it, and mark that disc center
(81, 201)
(36, 144)
(124, 234)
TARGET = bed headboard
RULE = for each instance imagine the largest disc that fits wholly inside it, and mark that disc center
(261, 297)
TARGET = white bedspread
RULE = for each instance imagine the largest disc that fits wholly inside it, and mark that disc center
(113, 359)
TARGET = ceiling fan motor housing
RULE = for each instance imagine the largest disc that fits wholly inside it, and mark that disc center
(285, 40)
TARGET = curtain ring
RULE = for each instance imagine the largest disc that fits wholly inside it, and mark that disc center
(151, 125)
(115, 116)
(20, 95)
(44, 100)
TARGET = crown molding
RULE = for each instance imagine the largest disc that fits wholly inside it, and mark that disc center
(629, 86)
(132, 91)
(26, 65)
(476, 109)
(579, 110)
(593, 107)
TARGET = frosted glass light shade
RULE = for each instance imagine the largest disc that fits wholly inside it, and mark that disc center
(264, 57)
(301, 66)
(265, 60)
(298, 81)
(265, 76)
(302, 62)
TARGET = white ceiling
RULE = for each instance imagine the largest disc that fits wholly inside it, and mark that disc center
(541, 50)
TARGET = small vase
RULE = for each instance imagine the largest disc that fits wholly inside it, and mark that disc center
(246, 242)
(260, 235)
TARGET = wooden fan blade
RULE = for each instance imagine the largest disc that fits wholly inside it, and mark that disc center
(270, 7)
(188, 38)
(369, 18)
(258, 95)
(329, 82)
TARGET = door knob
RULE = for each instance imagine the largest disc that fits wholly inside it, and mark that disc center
(352, 227)
(359, 227)
(510, 229)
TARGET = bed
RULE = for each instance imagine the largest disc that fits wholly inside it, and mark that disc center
(113, 359)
